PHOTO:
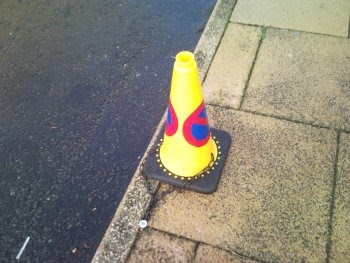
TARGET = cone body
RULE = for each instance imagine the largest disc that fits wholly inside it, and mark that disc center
(188, 147)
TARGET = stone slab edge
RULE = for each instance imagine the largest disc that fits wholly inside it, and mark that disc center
(123, 229)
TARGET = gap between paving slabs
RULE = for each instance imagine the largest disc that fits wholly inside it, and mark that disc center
(339, 246)
(331, 209)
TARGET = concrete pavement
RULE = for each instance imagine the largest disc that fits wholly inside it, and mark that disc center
(279, 83)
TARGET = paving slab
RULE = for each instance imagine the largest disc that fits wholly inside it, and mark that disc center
(340, 250)
(212, 35)
(302, 76)
(273, 200)
(230, 68)
(319, 16)
(154, 246)
(210, 254)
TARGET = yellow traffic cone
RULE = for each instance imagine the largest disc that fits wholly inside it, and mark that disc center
(190, 150)
(187, 148)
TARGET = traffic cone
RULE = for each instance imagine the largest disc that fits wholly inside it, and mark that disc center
(190, 151)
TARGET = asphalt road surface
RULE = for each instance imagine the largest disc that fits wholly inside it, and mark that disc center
(83, 84)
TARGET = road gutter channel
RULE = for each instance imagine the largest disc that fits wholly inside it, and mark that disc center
(124, 227)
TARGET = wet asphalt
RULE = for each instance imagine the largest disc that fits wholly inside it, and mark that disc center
(83, 85)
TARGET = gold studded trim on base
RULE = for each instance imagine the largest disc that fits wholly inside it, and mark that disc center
(205, 172)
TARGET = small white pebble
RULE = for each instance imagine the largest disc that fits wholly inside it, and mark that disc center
(143, 223)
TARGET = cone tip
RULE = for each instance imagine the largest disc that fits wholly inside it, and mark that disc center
(185, 59)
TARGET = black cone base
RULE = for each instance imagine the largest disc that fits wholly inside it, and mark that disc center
(207, 184)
